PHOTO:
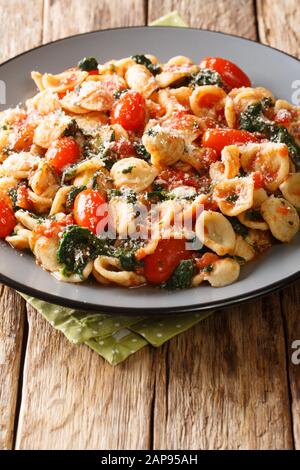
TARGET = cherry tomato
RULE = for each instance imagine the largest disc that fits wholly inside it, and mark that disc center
(24, 138)
(283, 117)
(94, 72)
(62, 152)
(258, 179)
(173, 177)
(217, 139)
(88, 212)
(231, 74)
(7, 216)
(123, 148)
(23, 200)
(159, 266)
(129, 111)
(51, 228)
(206, 260)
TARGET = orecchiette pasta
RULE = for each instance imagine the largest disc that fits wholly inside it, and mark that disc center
(133, 173)
(138, 172)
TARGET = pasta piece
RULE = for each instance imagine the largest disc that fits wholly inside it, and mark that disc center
(37, 78)
(229, 113)
(231, 161)
(225, 271)
(243, 249)
(19, 165)
(59, 201)
(290, 189)
(91, 122)
(89, 165)
(45, 250)
(165, 148)
(4, 144)
(110, 269)
(184, 125)
(281, 217)
(271, 159)
(207, 100)
(41, 204)
(260, 240)
(179, 60)
(7, 182)
(92, 96)
(63, 81)
(253, 219)
(44, 182)
(140, 79)
(19, 239)
(259, 196)
(27, 219)
(168, 102)
(182, 95)
(50, 128)
(234, 196)
(133, 173)
(243, 97)
(216, 172)
(215, 232)
(76, 278)
(44, 102)
(172, 73)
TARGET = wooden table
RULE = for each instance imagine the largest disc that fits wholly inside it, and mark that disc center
(227, 383)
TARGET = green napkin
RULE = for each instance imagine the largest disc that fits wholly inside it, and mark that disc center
(117, 337)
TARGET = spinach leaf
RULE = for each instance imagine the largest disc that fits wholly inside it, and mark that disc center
(253, 120)
(125, 252)
(182, 276)
(206, 77)
(141, 151)
(143, 60)
(87, 63)
(77, 247)
(239, 228)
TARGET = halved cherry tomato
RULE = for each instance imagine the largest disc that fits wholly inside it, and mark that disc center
(206, 260)
(258, 179)
(7, 216)
(123, 148)
(231, 74)
(62, 152)
(23, 200)
(51, 228)
(94, 72)
(159, 266)
(89, 211)
(24, 138)
(217, 139)
(129, 111)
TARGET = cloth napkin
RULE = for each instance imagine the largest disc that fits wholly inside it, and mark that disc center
(115, 337)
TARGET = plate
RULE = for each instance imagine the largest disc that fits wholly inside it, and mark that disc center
(266, 67)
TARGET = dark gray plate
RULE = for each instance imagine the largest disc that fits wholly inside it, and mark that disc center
(266, 67)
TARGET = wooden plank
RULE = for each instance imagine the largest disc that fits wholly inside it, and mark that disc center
(278, 25)
(235, 17)
(290, 306)
(20, 26)
(18, 32)
(66, 17)
(72, 399)
(286, 19)
(224, 383)
(12, 317)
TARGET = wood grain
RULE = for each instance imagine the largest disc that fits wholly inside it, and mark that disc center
(236, 16)
(20, 26)
(278, 24)
(73, 399)
(12, 317)
(18, 32)
(226, 383)
(66, 17)
(271, 20)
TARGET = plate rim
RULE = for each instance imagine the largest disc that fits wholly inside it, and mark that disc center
(96, 308)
